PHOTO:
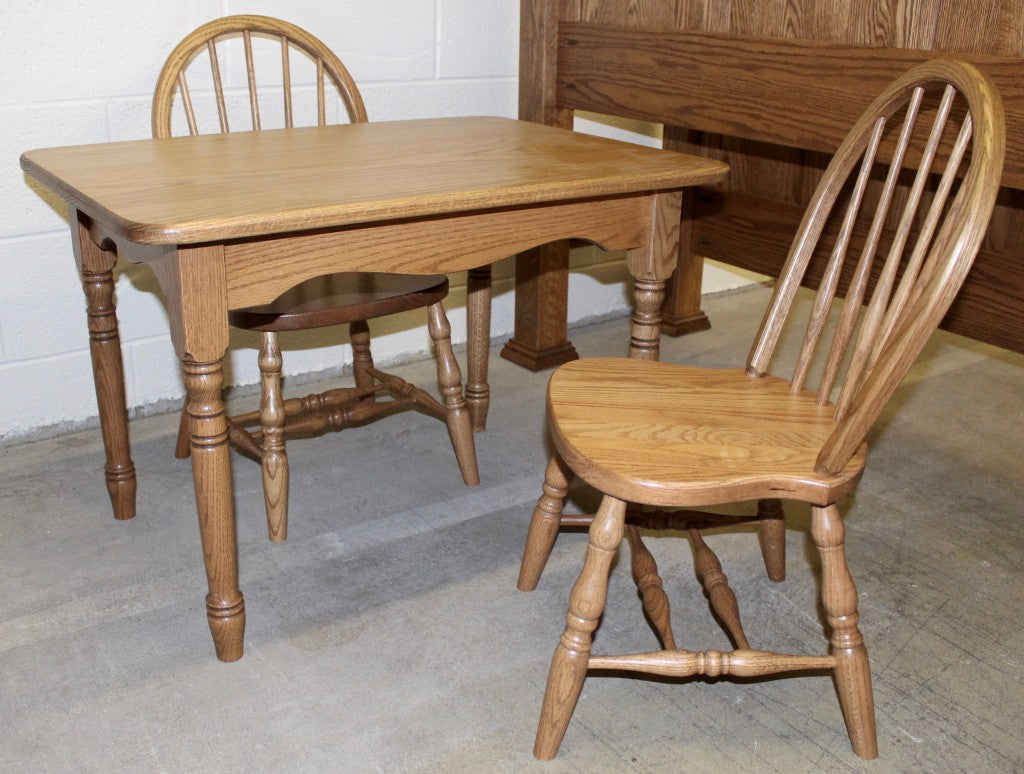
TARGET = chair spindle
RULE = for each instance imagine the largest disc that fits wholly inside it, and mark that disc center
(869, 342)
(218, 88)
(905, 292)
(186, 98)
(321, 100)
(855, 299)
(830, 281)
(286, 75)
(250, 72)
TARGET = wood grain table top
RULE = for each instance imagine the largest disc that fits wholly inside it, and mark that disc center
(187, 190)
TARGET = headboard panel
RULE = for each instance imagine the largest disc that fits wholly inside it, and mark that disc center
(770, 86)
(800, 93)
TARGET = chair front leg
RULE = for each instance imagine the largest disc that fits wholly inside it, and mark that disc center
(771, 535)
(547, 516)
(839, 597)
(274, 459)
(586, 604)
(460, 425)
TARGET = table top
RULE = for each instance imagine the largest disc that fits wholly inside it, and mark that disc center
(210, 188)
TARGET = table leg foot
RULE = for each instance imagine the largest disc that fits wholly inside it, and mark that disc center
(539, 359)
(684, 324)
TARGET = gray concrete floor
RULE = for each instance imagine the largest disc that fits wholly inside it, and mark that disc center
(387, 634)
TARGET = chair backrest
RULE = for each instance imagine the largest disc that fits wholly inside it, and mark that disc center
(297, 48)
(900, 260)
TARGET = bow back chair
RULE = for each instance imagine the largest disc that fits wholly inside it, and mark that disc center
(344, 298)
(667, 436)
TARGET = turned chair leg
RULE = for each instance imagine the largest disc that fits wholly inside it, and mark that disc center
(716, 584)
(586, 604)
(274, 460)
(478, 315)
(460, 424)
(183, 447)
(547, 516)
(839, 597)
(652, 592)
(362, 358)
(771, 534)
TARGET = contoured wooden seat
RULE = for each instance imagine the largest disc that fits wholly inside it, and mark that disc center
(696, 436)
(344, 298)
(672, 436)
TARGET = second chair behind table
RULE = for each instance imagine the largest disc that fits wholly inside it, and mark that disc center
(348, 298)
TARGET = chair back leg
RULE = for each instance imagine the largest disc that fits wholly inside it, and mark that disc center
(547, 516)
(460, 425)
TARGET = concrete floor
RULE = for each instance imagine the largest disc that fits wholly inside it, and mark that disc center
(387, 634)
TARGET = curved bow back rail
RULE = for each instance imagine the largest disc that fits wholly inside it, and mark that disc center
(209, 42)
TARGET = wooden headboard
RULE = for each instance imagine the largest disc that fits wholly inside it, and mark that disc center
(771, 87)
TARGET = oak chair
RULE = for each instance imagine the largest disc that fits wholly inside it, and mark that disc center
(347, 298)
(659, 435)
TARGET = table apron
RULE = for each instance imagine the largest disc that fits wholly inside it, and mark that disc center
(260, 270)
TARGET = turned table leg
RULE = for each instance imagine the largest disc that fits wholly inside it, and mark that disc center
(651, 264)
(194, 282)
(540, 339)
(96, 266)
(645, 333)
(211, 469)
(457, 414)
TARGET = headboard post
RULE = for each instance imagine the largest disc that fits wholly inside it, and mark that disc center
(541, 338)
(681, 312)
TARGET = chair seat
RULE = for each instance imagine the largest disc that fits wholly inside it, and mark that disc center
(672, 435)
(336, 299)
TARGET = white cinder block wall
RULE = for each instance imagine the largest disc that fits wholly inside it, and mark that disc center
(83, 72)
